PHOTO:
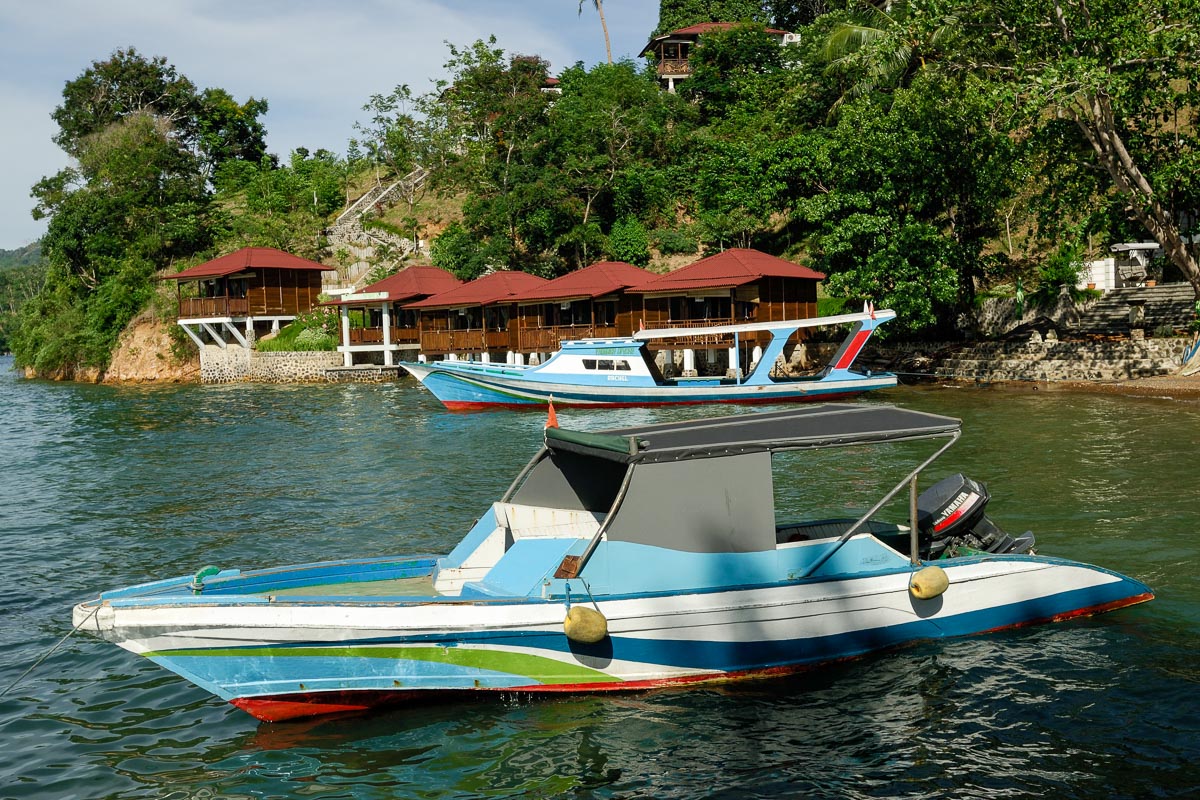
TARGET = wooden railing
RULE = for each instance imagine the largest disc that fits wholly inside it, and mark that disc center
(674, 66)
(375, 335)
(709, 339)
(469, 341)
(549, 339)
(213, 307)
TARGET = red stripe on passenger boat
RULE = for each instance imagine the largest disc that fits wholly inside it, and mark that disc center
(277, 708)
(851, 353)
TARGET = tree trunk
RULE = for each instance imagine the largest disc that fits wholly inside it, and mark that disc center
(604, 25)
(1095, 119)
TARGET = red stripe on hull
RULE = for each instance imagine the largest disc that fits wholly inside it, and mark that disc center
(458, 405)
(278, 708)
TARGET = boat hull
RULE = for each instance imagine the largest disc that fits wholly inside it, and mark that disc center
(464, 389)
(303, 657)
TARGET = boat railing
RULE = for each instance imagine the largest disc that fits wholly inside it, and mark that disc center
(712, 339)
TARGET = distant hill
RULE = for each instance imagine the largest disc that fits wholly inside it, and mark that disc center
(26, 256)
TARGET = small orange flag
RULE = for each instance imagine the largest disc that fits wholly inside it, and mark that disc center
(551, 417)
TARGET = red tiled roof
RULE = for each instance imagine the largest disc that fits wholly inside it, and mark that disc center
(244, 259)
(694, 31)
(596, 280)
(409, 283)
(709, 27)
(498, 287)
(733, 267)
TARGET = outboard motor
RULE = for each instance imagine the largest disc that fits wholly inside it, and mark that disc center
(950, 519)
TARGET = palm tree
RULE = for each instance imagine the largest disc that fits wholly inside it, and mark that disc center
(885, 47)
(599, 5)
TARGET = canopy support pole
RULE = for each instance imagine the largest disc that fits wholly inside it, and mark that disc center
(910, 478)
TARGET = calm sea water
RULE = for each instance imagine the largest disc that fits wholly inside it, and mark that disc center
(102, 487)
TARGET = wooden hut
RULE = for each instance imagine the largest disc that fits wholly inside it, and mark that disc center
(671, 51)
(382, 328)
(589, 302)
(472, 320)
(245, 293)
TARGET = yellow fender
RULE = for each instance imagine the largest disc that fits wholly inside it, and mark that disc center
(928, 583)
(585, 625)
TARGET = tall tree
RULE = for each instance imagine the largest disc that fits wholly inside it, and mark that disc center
(1126, 74)
(599, 6)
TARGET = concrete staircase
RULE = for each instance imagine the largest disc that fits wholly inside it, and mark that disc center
(1170, 305)
(366, 245)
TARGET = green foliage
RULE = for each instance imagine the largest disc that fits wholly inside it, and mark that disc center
(1062, 268)
(675, 241)
(676, 14)
(315, 330)
(281, 206)
(628, 241)
(459, 252)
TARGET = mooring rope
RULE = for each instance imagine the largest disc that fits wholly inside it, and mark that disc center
(49, 652)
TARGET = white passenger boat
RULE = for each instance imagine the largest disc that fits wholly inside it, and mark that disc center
(618, 372)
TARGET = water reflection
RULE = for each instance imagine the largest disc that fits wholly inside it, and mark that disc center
(102, 487)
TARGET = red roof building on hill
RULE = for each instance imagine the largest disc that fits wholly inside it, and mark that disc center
(248, 289)
(590, 302)
(672, 50)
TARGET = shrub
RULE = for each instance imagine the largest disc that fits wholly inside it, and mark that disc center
(675, 241)
(627, 241)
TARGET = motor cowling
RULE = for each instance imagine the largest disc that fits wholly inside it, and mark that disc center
(951, 520)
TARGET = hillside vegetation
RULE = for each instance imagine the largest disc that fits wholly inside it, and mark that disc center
(917, 155)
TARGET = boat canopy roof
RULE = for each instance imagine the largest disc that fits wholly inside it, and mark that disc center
(788, 325)
(804, 427)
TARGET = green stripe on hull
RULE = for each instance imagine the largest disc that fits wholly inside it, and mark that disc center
(536, 668)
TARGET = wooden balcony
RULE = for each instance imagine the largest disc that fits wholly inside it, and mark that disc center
(375, 336)
(192, 307)
(674, 66)
(705, 340)
(549, 339)
(463, 341)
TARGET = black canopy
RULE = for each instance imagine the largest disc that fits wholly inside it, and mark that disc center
(812, 426)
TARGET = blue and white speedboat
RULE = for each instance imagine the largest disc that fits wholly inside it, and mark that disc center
(636, 558)
(619, 372)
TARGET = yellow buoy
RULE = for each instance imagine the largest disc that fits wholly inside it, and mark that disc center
(585, 625)
(928, 583)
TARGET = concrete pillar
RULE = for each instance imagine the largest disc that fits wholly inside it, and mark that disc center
(733, 358)
(518, 359)
(509, 357)
(755, 356)
(452, 356)
(421, 359)
(347, 358)
(387, 334)
(711, 355)
(486, 358)
(689, 362)
(668, 362)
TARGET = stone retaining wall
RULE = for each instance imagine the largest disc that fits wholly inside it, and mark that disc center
(1044, 360)
(235, 364)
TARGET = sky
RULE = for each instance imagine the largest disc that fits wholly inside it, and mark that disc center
(316, 63)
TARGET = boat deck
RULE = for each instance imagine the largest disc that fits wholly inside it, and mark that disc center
(420, 586)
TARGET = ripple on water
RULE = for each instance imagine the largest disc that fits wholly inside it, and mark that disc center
(106, 486)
